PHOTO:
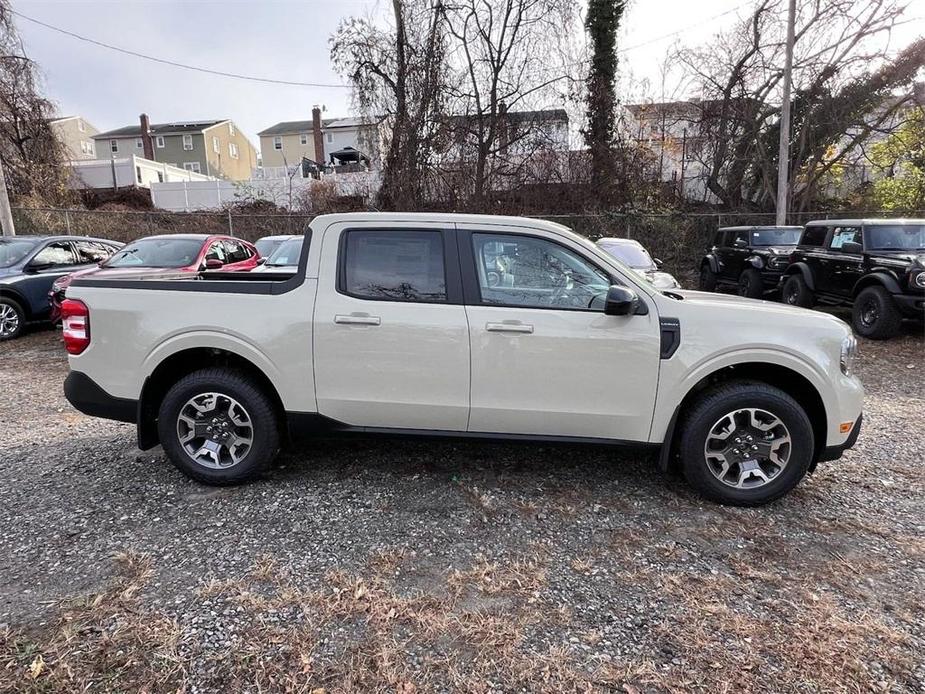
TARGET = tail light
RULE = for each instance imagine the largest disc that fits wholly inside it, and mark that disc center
(75, 318)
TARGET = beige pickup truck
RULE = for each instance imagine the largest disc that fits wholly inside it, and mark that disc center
(470, 327)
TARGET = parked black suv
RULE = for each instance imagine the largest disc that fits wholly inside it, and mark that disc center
(876, 265)
(750, 257)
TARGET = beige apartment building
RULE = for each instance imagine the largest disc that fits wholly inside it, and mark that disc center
(214, 148)
(76, 136)
(323, 141)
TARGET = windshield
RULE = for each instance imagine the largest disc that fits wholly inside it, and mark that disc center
(635, 256)
(266, 246)
(287, 254)
(904, 237)
(14, 250)
(776, 237)
(157, 253)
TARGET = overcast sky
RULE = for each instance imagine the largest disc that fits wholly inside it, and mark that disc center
(277, 39)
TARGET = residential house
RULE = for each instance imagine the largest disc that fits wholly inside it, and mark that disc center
(214, 148)
(328, 141)
(518, 133)
(76, 136)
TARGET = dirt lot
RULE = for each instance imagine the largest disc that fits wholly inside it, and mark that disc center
(391, 566)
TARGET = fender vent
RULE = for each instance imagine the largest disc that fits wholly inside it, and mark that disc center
(671, 336)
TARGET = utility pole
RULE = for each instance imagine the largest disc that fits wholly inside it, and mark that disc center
(783, 153)
(6, 214)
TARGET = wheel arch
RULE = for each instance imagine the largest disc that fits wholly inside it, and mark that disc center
(803, 269)
(710, 260)
(795, 384)
(182, 363)
(881, 278)
(15, 295)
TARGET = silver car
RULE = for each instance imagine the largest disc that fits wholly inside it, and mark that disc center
(634, 254)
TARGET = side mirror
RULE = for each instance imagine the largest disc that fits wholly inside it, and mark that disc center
(261, 261)
(214, 264)
(658, 262)
(622, 301)
(37, 267)
(740, 243)
(852, 247)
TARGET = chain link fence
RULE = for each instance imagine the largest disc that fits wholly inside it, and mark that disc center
(678, 239)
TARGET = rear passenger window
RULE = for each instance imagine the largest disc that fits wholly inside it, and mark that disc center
(394, 265)
(845, 235)
(90, 252)
(814, 236)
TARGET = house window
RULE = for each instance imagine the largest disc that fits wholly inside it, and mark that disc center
(160, 176)
(303, 138)
(80, 125)
(232, 150)
(113, 145)
(138, 174)
(330, 137)
(160, 141)
(277, 143)
(231, 129)
(139, 144)
(191, 166)
(188, 142)
(216, 147)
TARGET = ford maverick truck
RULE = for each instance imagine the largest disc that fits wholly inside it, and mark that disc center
(463, 326)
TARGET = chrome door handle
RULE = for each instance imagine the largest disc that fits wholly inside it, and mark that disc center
(509, 327)
(357, 320)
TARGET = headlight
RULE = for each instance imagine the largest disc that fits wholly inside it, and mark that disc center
(758, 262)
(919, 279)
(778, 261)
(849, 352)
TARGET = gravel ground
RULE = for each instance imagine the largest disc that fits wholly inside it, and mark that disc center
(428, 566)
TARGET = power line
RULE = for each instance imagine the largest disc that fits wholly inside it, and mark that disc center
(265, 80)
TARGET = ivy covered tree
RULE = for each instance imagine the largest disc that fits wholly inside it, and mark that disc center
(899, 167)
(602, 23)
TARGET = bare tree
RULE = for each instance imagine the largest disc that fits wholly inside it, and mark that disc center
(398, 73)
(32, 157)
(845, 82)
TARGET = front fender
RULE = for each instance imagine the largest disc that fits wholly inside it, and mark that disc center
(710, 259)
(804, 270)
(881, 277)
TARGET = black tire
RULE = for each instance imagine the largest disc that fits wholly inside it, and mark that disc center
(875, 314)
(710, 407)
(707, 278)
(750, 284)
(796, 292)
(12, 319)
(264, 429)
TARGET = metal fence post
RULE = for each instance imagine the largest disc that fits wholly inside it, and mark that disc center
(67, 221)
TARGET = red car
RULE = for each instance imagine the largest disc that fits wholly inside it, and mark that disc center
(166, 254)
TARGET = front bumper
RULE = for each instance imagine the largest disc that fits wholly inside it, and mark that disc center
(835, 452)
(88, 397)
(911, 305)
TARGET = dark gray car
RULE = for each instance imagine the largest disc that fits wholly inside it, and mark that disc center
(29, 265)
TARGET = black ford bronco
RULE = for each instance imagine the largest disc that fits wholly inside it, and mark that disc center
(875, 265)
(751, 258)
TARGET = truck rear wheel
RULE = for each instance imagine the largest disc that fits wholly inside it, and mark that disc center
(218, 426)
(796, 292)
(745, 443)
(875, 314)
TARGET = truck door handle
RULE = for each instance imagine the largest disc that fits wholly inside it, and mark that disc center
(355, 319)
(509, 328)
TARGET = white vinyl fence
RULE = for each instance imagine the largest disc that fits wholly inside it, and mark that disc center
(122, 172)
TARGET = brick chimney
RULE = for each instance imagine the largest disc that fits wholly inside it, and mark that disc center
(146, 140)
(317, 134)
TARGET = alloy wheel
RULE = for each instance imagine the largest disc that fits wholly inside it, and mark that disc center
(9, 320)
(215, 430)
(747, 448)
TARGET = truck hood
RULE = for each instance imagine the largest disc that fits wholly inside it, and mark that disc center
(729, 306)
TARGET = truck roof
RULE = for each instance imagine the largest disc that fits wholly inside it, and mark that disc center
(758, 227)
(864, 222)
(448, 217)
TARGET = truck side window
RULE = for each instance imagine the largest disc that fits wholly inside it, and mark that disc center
(845, 235)
(814, 236)
(394, 266)
(535, 273)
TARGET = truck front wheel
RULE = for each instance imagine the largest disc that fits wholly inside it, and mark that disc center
(796, 292)
(218, 426)
(875, 314)
(745, 443)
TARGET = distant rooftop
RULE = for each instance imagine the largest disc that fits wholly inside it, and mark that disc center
(162, 128)
(292, 127)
